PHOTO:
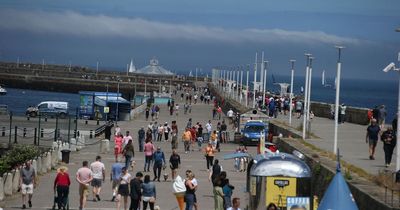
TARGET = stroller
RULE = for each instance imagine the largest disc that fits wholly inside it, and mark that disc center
(55, 203)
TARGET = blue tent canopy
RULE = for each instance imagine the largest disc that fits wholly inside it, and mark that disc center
(338, 195)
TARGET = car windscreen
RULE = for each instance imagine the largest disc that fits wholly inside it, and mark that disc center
(254, 128)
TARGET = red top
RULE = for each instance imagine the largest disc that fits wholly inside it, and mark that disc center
(62, 179)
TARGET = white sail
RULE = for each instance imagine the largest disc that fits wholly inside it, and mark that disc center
(323, 77)
(132, 67)
(190, 73)
(335, 82)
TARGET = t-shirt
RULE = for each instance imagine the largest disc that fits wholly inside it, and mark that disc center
(209, 127)
(27, 175)
(194, 182)
(97, 169)
(373, 132)
(84, 174)
(148, 149)
(125, 179)
(116, 170)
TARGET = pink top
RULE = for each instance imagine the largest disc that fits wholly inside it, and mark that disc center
(118, 142)
(148, 149)
(84, 174)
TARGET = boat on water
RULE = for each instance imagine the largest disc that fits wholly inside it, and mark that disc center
(3, 91)
(324, 83)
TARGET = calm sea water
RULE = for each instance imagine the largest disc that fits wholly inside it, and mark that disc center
(354, 92)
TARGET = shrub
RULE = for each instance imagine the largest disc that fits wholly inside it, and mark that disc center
(17, 155)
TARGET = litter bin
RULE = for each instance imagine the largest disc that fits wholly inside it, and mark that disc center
(237, 138)
(65, 155)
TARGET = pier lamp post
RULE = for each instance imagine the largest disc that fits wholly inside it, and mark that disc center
(291, 92)
(339, 66)
(247, 85)
(309, 97)
(265, 81)
(241, 84)
(262, 68)
(255, 81)
(117, 111)
(392, 66)
(308, 55)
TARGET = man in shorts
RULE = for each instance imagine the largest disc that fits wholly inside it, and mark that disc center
(98, 172)
(84, 177)
(116, 170)
(372, 137)
(27, 182)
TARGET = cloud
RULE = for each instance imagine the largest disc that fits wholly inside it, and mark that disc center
(76, 24)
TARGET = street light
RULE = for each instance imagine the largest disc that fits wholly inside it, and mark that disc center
(309, 97)
(254, 84)
(392, 66)
(306, 97)
(247, 85)
(291, 92)
(339, 66)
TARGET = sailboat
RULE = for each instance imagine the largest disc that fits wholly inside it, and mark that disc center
(324, 83)
(335, 83)
(132, 67)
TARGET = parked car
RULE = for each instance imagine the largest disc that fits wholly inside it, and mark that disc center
(49, 108)
(251, 132)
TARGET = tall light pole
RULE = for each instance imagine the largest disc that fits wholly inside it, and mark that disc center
(237, 83)
(306, 97)
(117, 111)
(247, 85)
(291, 92)
(262, 67)
(254, 84)
(339, 66)
(97, 68)
(241, 85)
(309, 97)
(265, 81)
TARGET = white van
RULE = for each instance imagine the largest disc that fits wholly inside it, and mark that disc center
(49, 108)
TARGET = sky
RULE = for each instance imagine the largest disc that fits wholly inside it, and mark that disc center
(186, 34)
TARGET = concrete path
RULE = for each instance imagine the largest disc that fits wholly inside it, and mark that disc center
(43, 196)
(351, 142)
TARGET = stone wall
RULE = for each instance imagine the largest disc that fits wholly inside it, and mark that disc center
(354, 115)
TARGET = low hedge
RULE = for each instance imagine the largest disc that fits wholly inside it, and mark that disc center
(17, 155)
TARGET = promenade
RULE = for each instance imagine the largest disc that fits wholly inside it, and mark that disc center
(195, 161)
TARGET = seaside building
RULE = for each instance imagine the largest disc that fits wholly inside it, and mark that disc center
(154, 69)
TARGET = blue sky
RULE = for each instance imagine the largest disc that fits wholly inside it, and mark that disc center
(185, 34)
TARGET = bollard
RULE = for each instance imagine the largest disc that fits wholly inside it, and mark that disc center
(41, 132)
(27, 118)
(15, 135)
(24, 132)
(58, 133)
(86, 122)
(3, 131)
(74, 133)
(91, 134)
(77, 133)
(45, 118)
(98, 122)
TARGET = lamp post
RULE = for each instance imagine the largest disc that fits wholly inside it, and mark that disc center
(306, 97)
(309, 97)
(291, 92)
(339, 66)
(241, 84)
(117, 111)
(262, 68)
(254, 84)
(265, 81)
(247, 85)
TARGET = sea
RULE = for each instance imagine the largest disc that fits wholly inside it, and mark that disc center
(353, 92)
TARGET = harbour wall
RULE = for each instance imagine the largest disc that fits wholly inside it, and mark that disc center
(364, 192)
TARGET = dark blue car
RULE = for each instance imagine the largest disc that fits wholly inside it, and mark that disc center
(251, 132)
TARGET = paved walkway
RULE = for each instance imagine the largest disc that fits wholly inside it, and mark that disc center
(351, 142)
(43, 196)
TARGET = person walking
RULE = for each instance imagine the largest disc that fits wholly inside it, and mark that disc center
(149, 193)
(118, 141)
(126, 139)
(174, 162)
(148, 154)
(147, 113)
(382, 116)
(116, 171)
(215, 172)
(84, 177)
(342, 113)
(167, 130)
(129, 153)
(107, 131)
(136, 191)
(228, 191)
(27, 182)
(141, 137)
(154, 130)
(123, 189)
(61, 186)
(190, 190)
(186, 137)
(159, 161)
(218, 195)
(389, 143)
(160, 132)
(372, 137)
(99, 175)
(209, 153)
(174, 141)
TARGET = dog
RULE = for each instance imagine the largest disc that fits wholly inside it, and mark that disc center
(165, 177)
